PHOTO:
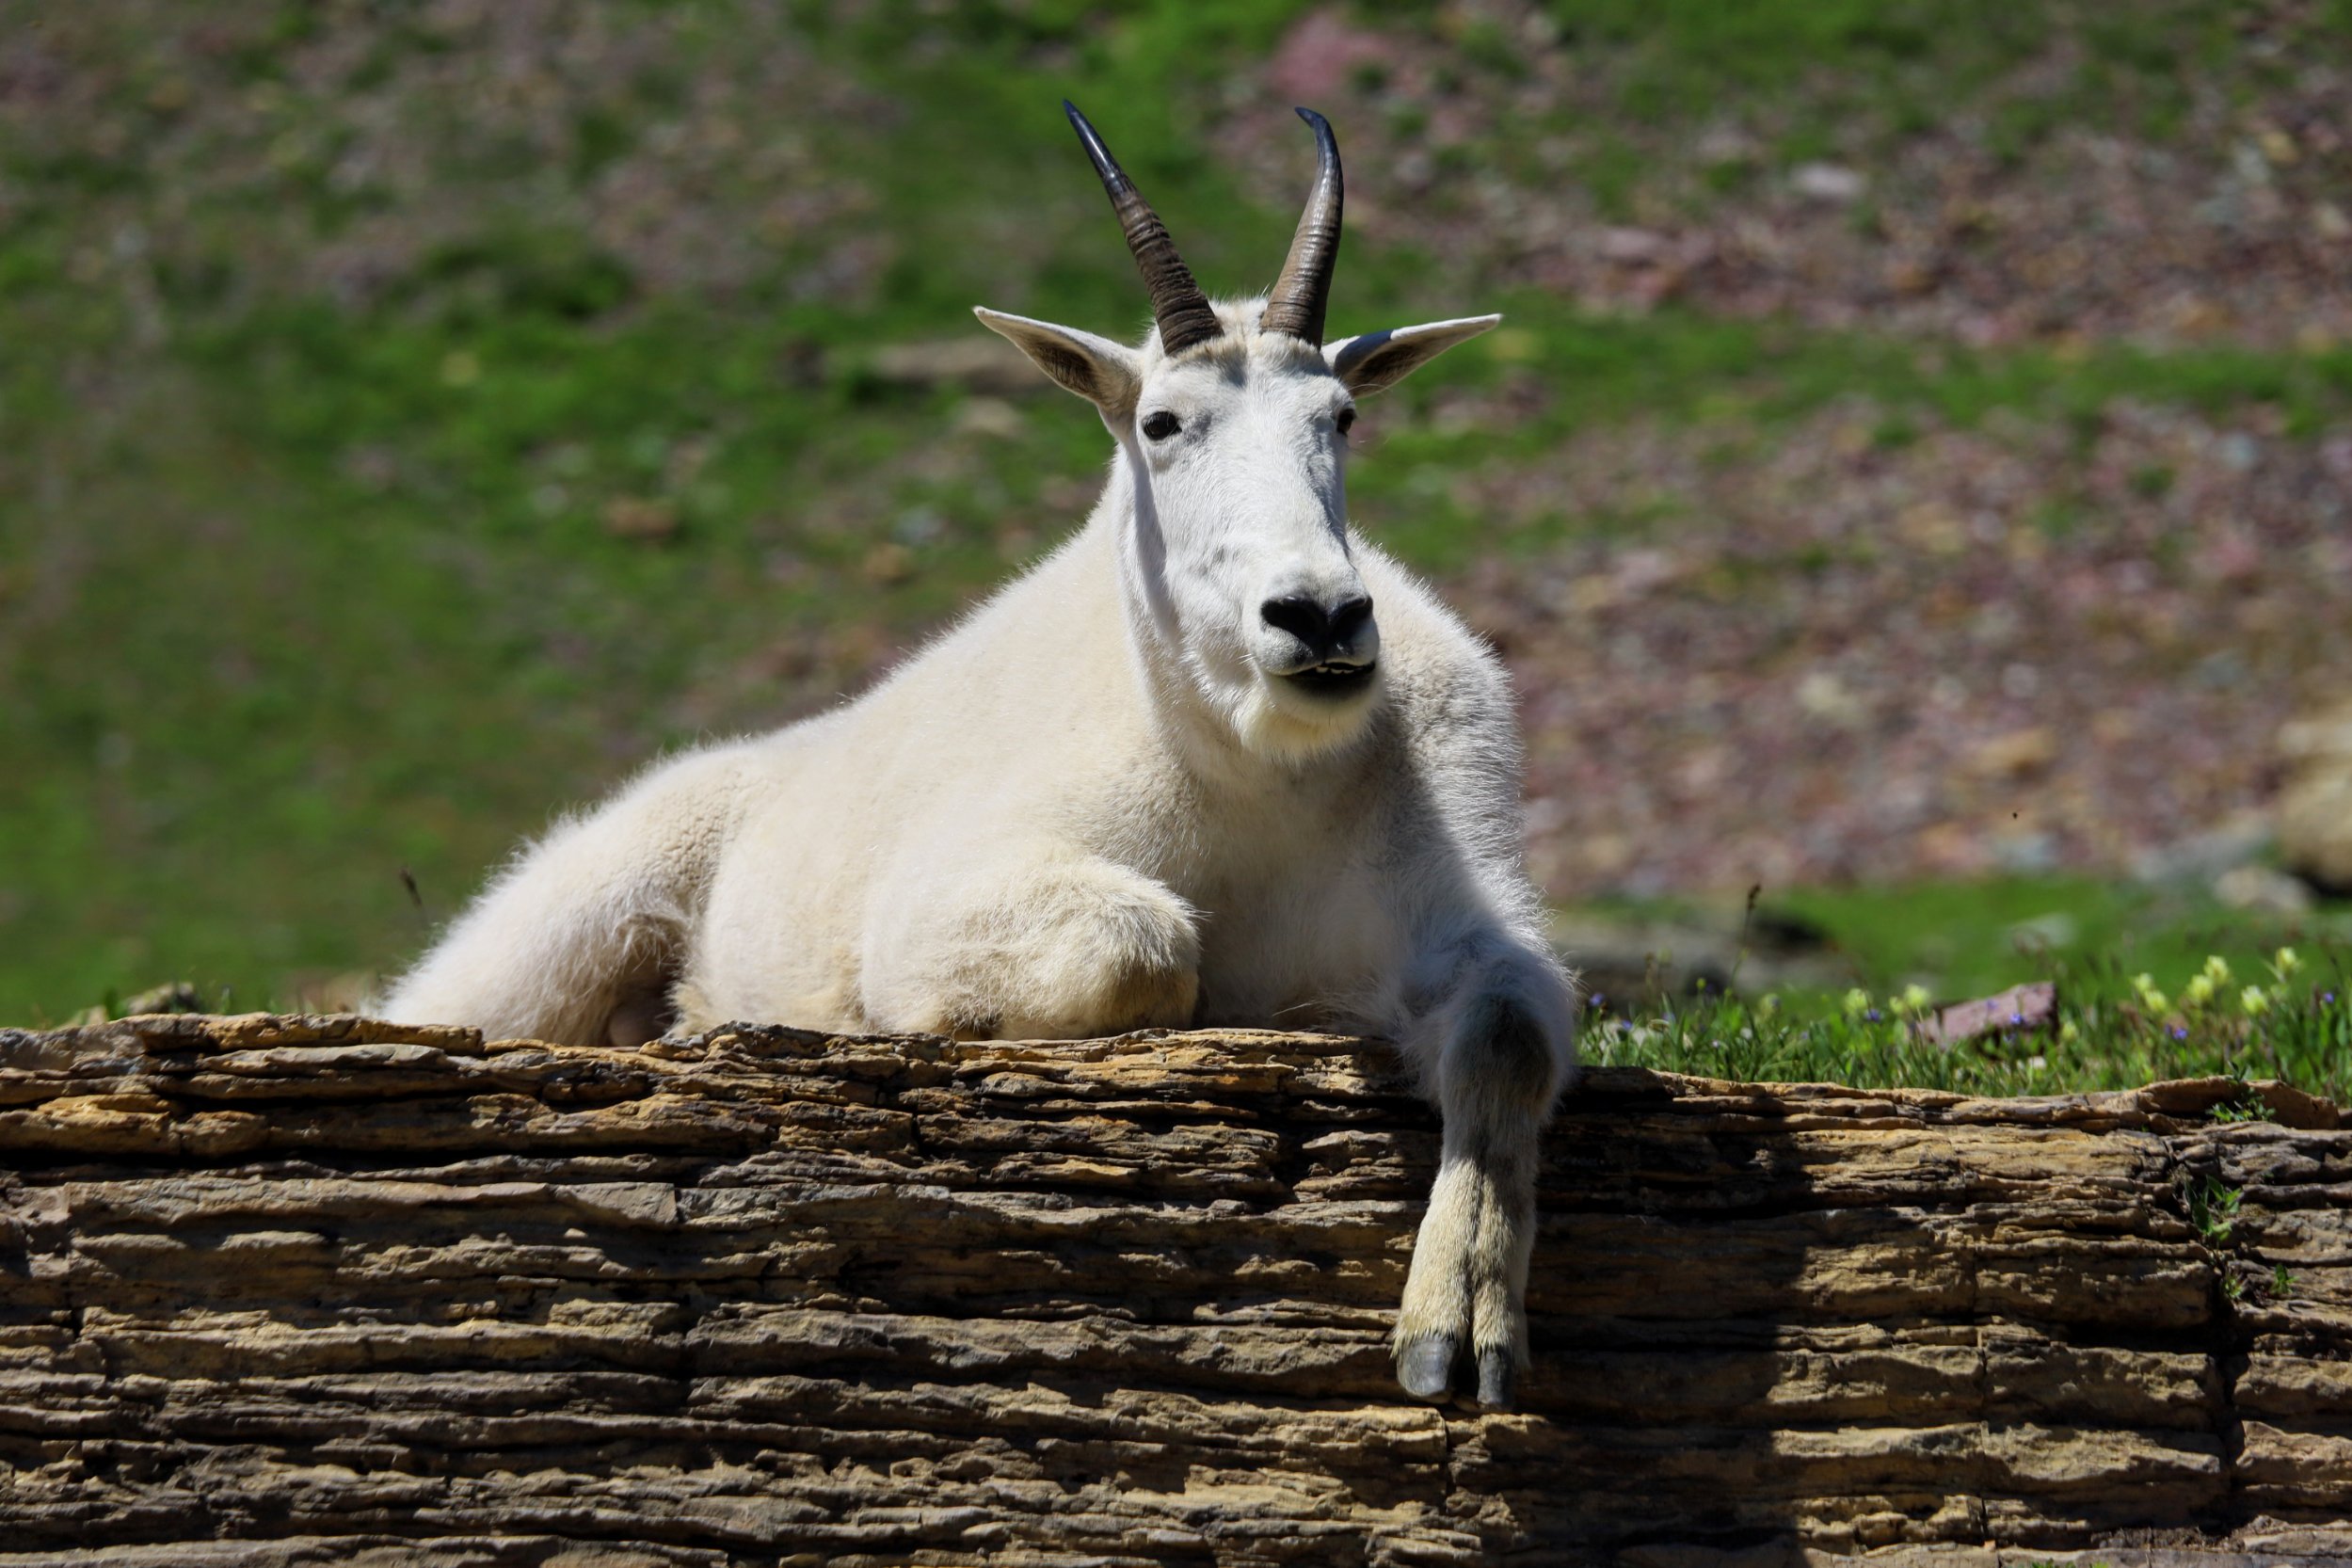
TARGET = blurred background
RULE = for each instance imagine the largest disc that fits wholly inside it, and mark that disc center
(1913, 479)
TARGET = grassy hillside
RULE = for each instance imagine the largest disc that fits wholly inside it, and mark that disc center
(419, 415)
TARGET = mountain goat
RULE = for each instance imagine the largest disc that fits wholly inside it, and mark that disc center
(1181, 772)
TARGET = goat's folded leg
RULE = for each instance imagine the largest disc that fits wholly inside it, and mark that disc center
(1506, 1052)
(1035, 944)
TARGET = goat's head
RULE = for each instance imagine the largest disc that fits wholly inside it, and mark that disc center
(1232, 420)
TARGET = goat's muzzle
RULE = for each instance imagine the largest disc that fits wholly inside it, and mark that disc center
(1337, 643)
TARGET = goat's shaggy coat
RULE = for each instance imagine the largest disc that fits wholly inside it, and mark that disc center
(1176, 774)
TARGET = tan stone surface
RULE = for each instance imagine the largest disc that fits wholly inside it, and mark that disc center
(300, 1290)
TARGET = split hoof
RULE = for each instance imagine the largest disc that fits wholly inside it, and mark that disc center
(1498, 1369)
(1426, 1368)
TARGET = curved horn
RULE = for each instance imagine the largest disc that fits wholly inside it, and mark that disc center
(1176, 301)
(1296, 306)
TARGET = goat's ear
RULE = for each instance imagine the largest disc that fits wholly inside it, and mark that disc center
(1108, 375)
(1378, 361)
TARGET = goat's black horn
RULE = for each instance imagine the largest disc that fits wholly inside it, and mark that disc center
(1178, 304)
(1296, 306)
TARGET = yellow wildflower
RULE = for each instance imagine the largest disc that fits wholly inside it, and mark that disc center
(2219, 969)
(2254, 1002)
(2198, 990)
(1857, 1002)
(2286, 961)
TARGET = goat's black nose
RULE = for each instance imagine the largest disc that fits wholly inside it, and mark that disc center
(1349, 619)
(1322, 630)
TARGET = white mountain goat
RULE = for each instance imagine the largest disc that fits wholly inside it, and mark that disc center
(1178, 774)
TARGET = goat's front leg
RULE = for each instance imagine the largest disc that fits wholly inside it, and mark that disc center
(1504, 1049)
(1034, 941)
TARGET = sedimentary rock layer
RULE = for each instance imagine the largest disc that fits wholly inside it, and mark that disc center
(283, 1290)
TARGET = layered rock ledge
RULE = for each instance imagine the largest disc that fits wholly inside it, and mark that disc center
(290, 1291)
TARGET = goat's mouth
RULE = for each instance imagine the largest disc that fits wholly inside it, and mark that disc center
(1332, 680)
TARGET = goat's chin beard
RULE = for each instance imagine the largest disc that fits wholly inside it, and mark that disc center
(1274, 721)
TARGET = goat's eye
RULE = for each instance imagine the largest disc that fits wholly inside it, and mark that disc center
(1346, 420)
(1159, 425)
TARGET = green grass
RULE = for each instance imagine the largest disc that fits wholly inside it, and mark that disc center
(1952, 942)
(2291, 1028)
(1972, 938)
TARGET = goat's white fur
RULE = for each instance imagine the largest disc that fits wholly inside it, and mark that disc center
(1098, 803)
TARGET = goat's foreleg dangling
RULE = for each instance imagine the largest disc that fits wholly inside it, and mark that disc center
(1503, 1058)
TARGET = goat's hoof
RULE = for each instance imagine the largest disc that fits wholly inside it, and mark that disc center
(1497, 1371)
(1426, 1367)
